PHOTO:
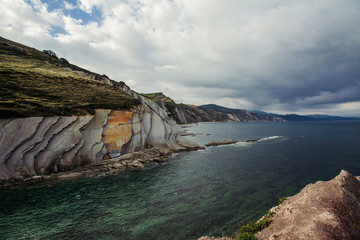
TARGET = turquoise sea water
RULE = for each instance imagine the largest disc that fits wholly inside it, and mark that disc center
(199, 193)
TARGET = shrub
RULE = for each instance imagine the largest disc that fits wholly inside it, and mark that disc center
(281, 200)
(249, 230)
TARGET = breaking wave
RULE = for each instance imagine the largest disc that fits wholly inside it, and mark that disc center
(251, 141)
(270, 138)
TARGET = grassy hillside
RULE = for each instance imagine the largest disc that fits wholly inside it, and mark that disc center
(164, 102)
(220, 108)
(33, 83)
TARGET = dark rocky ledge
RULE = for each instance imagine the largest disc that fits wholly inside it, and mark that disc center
(251, 140)
(223, 142)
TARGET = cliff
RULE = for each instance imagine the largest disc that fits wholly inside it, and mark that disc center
(183, 113)
(43, 145)
(321, 211)
(56, 116)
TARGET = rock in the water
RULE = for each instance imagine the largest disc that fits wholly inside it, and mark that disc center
(118, 165)
(160, 159)
(223, 142)
(251, 140)
(136, 164)
(70, 175)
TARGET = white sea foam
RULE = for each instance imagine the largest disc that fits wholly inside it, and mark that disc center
(250, 142)
(270, 138)
(242, 144)
(247, 143)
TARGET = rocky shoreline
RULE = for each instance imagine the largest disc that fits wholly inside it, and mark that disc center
(131, 161)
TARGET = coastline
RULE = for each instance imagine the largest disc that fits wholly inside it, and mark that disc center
(130, 161)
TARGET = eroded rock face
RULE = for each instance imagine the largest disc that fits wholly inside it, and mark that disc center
(117, 131)
(321, 211)
(44, 145)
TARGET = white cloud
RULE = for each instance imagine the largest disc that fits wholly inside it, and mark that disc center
(69, 6)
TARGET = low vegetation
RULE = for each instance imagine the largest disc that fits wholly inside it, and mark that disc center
(33, 83)
(248, 231)
(165, 101)
(281, 200)
(152, 95)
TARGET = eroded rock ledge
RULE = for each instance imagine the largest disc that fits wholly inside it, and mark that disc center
(321, 211)
(130, 161)
(219, 143)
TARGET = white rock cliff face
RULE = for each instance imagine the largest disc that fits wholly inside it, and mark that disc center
(44, 145)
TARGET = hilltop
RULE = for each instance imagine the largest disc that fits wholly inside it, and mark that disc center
(38, 83)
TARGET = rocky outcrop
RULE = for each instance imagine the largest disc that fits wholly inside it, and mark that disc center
(222, 142)
(321, 211)
(43, 145)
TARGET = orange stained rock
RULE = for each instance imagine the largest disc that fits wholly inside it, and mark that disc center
(118, 130)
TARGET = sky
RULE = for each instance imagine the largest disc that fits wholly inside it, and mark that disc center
(281, 56)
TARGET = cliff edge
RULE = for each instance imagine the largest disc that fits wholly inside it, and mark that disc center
(321, 211)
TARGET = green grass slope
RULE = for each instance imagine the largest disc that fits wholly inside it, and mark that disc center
(33, 83)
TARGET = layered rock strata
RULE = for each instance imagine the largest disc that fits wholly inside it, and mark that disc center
(44, 145)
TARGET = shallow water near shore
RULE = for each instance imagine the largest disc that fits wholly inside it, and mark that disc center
(206, 192)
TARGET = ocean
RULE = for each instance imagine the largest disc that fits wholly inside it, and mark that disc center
(207, 192)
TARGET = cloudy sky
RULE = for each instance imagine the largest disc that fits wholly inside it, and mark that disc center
(283, 56)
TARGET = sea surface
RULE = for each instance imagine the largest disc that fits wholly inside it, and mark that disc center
(208, 192)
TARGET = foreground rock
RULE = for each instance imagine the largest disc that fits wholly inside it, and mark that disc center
(321, 211)
(223, 142)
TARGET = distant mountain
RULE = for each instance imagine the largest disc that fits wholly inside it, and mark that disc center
(295, 117)
(314, 117)
(318, 117)
(219, 108)
(184, 113)
(262, 112)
